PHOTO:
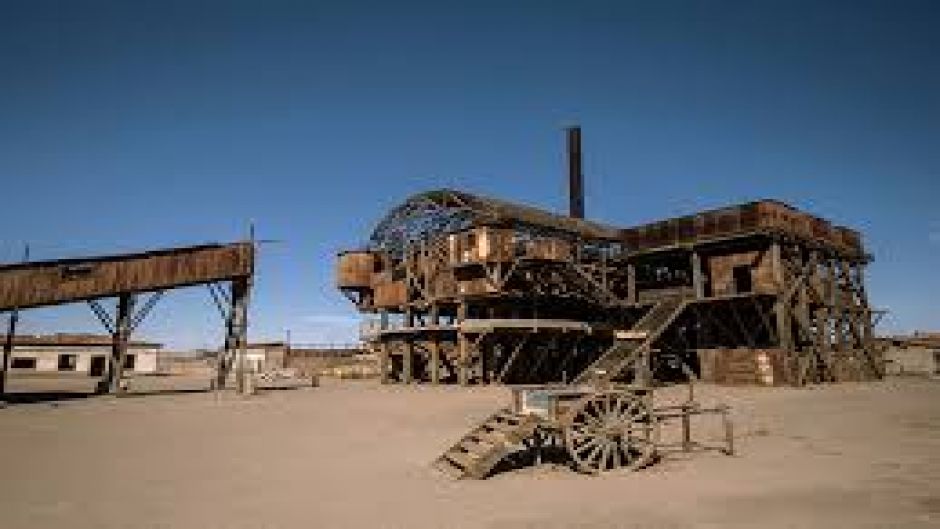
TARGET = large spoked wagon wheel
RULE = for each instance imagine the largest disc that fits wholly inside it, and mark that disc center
(610, 430)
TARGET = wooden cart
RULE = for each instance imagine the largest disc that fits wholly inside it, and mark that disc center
(601, 428)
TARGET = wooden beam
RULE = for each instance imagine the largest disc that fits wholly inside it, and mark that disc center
(8, 351)
(383, 362)
(435, 346)
(631, 283)
(383, 348)
(42, 283)
(776, 264)
(240, 291)
(698, 279)
(463, 362)
(408, 354)
(840, 307)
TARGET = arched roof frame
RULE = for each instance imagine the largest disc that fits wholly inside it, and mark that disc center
(444, 211)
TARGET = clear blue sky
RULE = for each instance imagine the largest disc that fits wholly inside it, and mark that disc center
(130, 125)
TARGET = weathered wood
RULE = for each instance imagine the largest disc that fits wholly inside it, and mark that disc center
(463, 363)
(545, 303)
(122, 331)
(435, 348)
(241, 288)
(8, 350)
(631, 283)
(603, 432)
(42, 283)
(698, 278)
(840, 308)
(408, 355)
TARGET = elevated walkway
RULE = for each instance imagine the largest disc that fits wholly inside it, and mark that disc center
(629, 346)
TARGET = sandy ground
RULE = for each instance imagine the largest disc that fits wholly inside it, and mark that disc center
(355, 454)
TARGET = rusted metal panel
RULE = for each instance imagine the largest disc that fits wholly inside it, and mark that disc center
(390, 294)
(355, 268)
(761, 216)
(41, 283)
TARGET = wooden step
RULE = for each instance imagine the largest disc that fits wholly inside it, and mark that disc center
(476, 447)
(462, 459)
(444, 466)
(477, 452)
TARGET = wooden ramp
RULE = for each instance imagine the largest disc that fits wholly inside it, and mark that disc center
(475, 455)
(630, 345)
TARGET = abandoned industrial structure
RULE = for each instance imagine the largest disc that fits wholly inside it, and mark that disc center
(468, 289)
(133, 277)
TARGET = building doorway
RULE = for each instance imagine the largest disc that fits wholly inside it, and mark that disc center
(98, 363)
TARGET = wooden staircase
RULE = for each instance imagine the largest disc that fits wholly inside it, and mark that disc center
(630, 345)
(475, 455)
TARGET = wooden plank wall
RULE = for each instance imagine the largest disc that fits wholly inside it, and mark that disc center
(722, 281)
(742, 366)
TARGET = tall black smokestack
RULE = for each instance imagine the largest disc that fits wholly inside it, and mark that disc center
(575, 176)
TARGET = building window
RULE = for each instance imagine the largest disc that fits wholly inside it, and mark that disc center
(23, 362)
(130, 361)
(742, 279)
(68, 362)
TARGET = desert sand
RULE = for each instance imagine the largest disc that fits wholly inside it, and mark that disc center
(356, 455)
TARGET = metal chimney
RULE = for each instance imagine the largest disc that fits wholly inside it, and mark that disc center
(575, 176)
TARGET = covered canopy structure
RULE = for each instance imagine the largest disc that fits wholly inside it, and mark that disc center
(444, 211)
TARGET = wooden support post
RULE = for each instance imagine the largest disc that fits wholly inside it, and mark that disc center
(822, 343)
(463, 363)
(850, 308)
(686, 430)
(407, 369)
(781, 307)
(240, 291)
(805, 361)
(435, 346)
(783, 313)
(776, 264)
(383, 362)
(868, 331)
(729, 432)
(839, 303)
(119, 339)
(224, 360)
(8, 342)
(644, 371)
(823, 338)
(631, 283)
(8, 351)
(383, 348)
(698, 279)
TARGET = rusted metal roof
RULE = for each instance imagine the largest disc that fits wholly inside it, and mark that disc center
(443, 211)
(762, 216)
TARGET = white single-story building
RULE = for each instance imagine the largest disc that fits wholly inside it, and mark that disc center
(265, 356)
(77, 354)
(916, 354)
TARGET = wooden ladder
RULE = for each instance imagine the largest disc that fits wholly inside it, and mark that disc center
(475, 455)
